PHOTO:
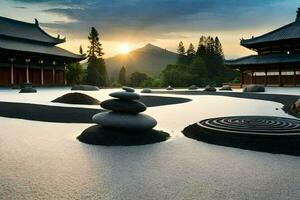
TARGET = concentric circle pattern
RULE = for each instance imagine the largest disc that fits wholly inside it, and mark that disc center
(265, 125)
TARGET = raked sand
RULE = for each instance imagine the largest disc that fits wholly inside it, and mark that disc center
(41, 160)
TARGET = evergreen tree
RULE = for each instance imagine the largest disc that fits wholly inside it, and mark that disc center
(74, 73)
(190, 53)
(80, 50)
(95, 49)
(96, 70)
(122, 76)
(181, 53)
(202, 47)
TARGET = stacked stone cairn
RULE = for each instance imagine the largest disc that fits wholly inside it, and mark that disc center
(27, 88)
(123, 124)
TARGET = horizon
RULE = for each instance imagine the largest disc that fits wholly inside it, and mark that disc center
(143, 22)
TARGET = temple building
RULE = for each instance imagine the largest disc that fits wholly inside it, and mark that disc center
(277, 62)
(29, 54)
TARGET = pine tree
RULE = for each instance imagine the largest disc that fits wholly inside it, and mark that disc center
(190, 53)
(80, 50)
(95, 49)
(122, 76)
(202, 47)
(181, 54)
(96, 69)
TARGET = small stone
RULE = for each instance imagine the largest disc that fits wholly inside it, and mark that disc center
(254, 88)
(125, 95)
(193, 87)
(209, 88)
(28, 90)
(226, 88)
(128, 89)
(125, 121)
(118, 105)
(146, 90)
(85, 87)
(169, 88)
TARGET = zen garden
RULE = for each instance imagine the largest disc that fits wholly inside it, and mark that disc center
(129, 108)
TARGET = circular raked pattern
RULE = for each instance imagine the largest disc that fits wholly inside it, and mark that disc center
(259, 125)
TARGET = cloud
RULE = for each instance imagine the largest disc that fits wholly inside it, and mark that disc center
(142, 19)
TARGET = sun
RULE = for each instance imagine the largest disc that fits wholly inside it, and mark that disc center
(124, 48)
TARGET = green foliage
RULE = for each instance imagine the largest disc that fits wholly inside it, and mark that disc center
(137, 78)
(96, 72)
(74, 73)
(201, 67)
(177, 76)
(122, 76)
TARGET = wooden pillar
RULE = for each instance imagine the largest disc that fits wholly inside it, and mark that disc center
(280, 79)
(42, 72)
(27, 70)
(12, 70)
(294, 77)
(53, 72)
(266, 77)
(252, 77)
(242, 77)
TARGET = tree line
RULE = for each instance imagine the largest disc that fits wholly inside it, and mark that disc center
(199, 66)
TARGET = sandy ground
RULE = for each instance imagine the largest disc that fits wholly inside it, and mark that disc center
(40, 160)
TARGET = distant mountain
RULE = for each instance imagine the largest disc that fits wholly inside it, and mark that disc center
(149, 59)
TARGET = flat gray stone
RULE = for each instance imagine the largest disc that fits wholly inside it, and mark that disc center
(226, 88)
(193, 87)
(123, 106)
(28, 90)
(125, 121)
(128, 89)
(254, 88)
(209, 88)
(146, 90)
(125, 95)
(85, 87)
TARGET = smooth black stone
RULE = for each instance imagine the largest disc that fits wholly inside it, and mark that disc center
(128, 89)
(125, 120)
(123, 106)
(98, 135)
(125, 95)
(77, 98)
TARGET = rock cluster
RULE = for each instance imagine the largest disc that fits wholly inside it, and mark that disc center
(123, 123)
(254, 88)
(27, 88)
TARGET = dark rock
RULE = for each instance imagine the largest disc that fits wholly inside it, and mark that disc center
(146, 90)
(125, 121)
(26, 85)
(125, 95)
(85, 87)
(169, 88)
(118, 105)
(209, 88)
(28, 90)
(254, 88)
(77, 98)
(98, 135)
(193, 87)
(226, 88)
(128, 89)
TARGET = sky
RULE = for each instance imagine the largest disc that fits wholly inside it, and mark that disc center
(164, 23)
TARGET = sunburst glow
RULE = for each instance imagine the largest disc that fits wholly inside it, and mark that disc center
(124, 48)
